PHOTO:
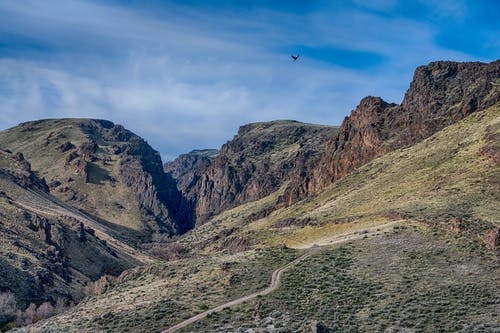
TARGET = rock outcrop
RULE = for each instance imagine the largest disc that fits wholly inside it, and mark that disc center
(187, 168)
(105, 170)
(440, 94)
(19, 170)
(258, 161)
(45, 254)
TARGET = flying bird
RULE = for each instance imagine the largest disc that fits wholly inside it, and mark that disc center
(295, 57)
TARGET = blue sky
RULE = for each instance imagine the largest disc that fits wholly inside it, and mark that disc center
(186, 74)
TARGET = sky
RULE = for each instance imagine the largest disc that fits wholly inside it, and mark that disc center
(186, 74)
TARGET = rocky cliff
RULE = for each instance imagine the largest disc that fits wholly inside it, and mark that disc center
(440, 94)
(258, 161)
(187, 168)
(105, 170)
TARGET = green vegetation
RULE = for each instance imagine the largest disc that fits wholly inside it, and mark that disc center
(156, 296)
(446, 177)
(414, 278)
(102, 195)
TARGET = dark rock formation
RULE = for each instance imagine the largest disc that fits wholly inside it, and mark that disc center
(141, 169)
(187, 168)
(66, 146)
(492, 147)
(257, 162)
(440, 94)
(20, 172)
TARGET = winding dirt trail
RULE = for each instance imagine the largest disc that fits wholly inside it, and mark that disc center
(275, 281)
(276, 277)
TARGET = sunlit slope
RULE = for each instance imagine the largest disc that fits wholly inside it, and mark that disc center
(101, 168)
(450, 179)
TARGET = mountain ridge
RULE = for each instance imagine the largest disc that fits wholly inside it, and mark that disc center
(83, 160)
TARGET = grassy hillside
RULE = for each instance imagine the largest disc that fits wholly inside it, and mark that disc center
(412, 279)
(449, 180)
(412, 275)
(101, 168)
(153, 297)
(49, 251)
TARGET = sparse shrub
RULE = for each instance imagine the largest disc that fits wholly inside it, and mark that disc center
(169, 252)
(100, 286)
(45, 310)
(28, 316)
(8, 308)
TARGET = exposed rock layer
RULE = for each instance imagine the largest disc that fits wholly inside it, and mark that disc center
(440, 94)
(258, 161)
(105, 170)
(44, 257)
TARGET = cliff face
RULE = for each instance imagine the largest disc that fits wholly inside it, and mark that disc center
(104, 169)
(440, 94)
(257, 162)
(186, 169)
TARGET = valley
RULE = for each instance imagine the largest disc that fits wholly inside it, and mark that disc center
(386, 223)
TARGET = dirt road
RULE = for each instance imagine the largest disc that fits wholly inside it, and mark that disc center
(276, 277)
(275, 281)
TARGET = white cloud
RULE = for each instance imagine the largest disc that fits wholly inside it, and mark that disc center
(187, 80)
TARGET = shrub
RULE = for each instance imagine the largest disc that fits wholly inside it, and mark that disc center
(8, 308)
(169, 252)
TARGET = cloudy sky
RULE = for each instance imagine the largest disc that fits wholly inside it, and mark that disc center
(186, 74)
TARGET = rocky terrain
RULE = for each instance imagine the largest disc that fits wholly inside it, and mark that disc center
(260, 159)
(187, 168)
(395, 213)
(105, 170)
(440, 94)
(48, 253)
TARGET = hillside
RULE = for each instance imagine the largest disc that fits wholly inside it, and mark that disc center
(105, 170)
(49, 251)
(413, 274)
(449, 180)
(256, 162)
(394, 214)
(440, 94)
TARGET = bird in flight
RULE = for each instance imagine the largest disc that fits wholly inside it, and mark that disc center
(295, 57)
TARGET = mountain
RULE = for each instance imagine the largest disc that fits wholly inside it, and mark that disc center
(260, 159)
(389, 223)
(440, 94)
(407, 242)
(49, 251)
(104, 170)
(186, 168)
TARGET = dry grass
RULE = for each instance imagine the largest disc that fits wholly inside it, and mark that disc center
(441, 178)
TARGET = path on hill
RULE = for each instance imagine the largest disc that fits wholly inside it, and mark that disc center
(276, 276)
(275, 281)
(42, 203)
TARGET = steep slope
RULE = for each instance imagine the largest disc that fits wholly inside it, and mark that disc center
(409, 277)
(449, 180)
(105, 170)
(187, 168)
(48, 252)
(440, 94)
(258, 161)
